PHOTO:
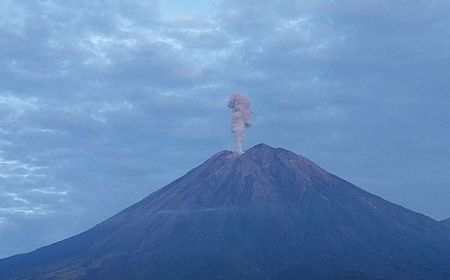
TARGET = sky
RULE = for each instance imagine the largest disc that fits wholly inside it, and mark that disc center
(103, 102)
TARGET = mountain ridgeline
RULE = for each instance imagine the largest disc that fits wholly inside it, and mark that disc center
(266, 214)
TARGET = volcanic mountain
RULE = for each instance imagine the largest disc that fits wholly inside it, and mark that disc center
(266, 214)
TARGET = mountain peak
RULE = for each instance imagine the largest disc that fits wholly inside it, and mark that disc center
(262, 146)
(264, 149)
(259, 154)
(269, 157)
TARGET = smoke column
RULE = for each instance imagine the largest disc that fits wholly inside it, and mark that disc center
(240, 120)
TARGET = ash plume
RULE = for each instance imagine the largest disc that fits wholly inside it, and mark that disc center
(240, 120)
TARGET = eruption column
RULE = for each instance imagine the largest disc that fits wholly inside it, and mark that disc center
(240, 120)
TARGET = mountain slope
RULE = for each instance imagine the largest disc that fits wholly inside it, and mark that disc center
(266, 214)
(446, 222)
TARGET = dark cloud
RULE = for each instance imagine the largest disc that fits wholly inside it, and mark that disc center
(102, 102)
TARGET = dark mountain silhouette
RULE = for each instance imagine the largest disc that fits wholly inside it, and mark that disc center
(446, 222)
(265, 214)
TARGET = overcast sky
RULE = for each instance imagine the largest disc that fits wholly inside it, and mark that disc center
(103, 102)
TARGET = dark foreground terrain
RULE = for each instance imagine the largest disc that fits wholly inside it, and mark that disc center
(265, 214)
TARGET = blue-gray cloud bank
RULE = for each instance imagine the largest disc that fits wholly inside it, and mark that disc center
(102, 102)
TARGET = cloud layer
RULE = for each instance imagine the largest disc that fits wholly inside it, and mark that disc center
(102, 102)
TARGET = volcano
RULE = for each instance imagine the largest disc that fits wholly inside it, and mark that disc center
(266, 214)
